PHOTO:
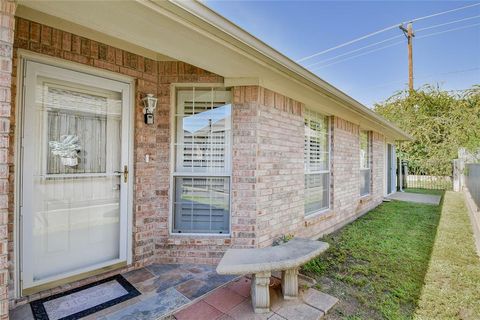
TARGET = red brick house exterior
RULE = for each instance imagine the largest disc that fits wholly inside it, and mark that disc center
(267, 186)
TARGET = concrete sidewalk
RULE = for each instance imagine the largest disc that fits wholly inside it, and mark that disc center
(415, 197)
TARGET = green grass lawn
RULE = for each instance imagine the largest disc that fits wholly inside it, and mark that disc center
(377, 264)
(452, 283)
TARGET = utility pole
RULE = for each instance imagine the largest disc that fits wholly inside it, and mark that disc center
(408, 32)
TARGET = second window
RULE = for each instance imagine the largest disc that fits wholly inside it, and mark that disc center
(365, 174)
(317, 162)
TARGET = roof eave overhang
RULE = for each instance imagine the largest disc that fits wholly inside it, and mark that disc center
(140, 22)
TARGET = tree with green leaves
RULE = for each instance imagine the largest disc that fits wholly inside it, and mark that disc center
(440, 121)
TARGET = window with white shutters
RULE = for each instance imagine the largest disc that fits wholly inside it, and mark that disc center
(317, 162)
(203, 161)
(365, 171)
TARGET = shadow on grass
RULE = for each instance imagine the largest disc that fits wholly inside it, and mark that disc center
(377, 264)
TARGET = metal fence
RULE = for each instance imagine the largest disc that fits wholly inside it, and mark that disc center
(472, 181)
(428, 182)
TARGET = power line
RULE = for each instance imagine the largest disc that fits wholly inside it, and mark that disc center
(449, 30)
(347, 43)
(352, 51)
(386, 84)
(386, 40)
(382, 30)
(396, 43)
(361, 54)
(447, 23)
(442, 13)
(448, 72)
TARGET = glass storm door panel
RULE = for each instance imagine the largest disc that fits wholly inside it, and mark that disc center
(393, 169)
(73, 189)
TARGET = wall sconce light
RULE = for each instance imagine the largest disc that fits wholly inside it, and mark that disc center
(149, 105)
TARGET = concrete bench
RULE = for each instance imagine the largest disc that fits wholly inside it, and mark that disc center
(261, 262)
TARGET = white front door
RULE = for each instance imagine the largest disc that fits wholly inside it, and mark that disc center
(74, 189)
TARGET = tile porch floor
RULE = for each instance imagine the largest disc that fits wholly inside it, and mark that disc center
(164, 288)
(197, 292)
(233, 302)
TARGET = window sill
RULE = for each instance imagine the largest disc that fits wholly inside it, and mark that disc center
(365, 198)
(201, 235)
(317, 214)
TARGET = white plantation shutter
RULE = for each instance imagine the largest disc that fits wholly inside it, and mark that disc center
(203, 131)
(203, 161)
(203, 205)
(317, 162)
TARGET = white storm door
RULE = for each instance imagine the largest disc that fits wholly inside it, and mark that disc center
(393, 170)
(74, 192)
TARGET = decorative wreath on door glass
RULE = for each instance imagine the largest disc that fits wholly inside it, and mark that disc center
(67, 149)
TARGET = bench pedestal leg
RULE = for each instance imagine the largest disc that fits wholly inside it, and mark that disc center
(260, 292)
(290, 283)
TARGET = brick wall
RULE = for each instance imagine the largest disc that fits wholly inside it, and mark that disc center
(152, 180)
(345, 167)
(244, 164)
(268, 176)
(267, 184)
(7, 11)
(280, 167)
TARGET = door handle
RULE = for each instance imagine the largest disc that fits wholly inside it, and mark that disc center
(125, 173)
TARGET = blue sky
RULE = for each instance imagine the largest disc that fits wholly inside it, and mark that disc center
(301, 28)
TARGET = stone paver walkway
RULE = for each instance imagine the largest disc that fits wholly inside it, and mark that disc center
(233, 302)
(416, 197)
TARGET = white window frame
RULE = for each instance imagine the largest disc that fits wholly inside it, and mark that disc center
(174, 88)
(369, 162)
(329, 165)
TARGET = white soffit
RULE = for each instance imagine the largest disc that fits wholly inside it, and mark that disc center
(190, 32)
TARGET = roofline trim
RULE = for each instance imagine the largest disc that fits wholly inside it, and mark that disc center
(215, 20)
